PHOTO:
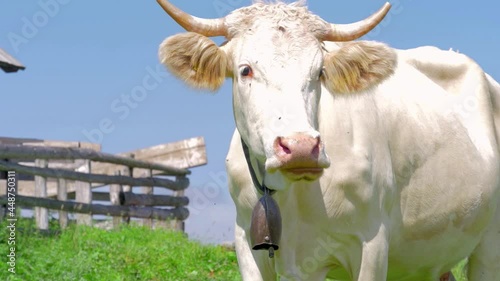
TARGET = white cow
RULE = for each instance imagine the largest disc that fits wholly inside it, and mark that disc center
(385, 162)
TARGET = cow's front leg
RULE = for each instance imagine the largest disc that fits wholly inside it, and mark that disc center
(254, 265)
(374, 258)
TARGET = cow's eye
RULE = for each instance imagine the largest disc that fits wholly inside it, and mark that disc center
(320, 74)
(246, 71)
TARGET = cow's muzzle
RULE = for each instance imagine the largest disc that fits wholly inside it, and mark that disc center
(299, 157)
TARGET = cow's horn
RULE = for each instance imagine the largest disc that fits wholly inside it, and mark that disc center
(352, 31)
(207, 27)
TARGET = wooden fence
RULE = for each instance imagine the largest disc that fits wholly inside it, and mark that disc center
(71, 170)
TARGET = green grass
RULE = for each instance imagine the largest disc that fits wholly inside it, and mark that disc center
(459, 272)
(130, 253)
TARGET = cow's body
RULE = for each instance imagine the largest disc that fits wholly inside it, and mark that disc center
(385, 162)
(415, 167)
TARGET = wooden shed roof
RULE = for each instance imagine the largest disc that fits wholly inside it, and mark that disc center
(9, 63)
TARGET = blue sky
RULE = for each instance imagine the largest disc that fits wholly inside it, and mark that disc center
(84, 58)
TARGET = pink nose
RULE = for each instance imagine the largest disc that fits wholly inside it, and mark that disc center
(298, 151)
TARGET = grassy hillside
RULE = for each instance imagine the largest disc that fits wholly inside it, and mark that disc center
(130, 253)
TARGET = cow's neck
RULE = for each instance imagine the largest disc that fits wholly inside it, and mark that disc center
(262, 188)
(265, 228)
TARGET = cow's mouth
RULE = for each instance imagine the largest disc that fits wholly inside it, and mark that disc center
(303, 173)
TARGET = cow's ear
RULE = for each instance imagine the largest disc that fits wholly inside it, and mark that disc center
(357, 66)
(195, 59)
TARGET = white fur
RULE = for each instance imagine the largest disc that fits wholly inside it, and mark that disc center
(413, 187)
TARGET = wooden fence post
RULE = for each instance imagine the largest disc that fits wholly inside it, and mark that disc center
(128, 172)
(41, 214)
(83, 194)
(3, 191)
(62, 194)
(8, 191)
(114, 198)
(179, 224)
(149, 191)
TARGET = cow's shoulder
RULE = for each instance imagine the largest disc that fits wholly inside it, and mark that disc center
(447, 68)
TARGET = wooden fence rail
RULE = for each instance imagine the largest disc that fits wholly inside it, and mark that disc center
(179, 213)
(70, 153)
(180, 184)
(133, 199)
(79, 167)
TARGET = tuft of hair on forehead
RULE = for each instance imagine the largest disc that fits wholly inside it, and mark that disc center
(300, 3)
(274, 13)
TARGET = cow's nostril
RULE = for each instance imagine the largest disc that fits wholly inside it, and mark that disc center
(283, 146)
(315, 150)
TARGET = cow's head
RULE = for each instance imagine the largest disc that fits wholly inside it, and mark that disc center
(274, 54)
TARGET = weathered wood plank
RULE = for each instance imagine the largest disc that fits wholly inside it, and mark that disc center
(58, 164)
(96, 196)
(9, 140)
(27, 188)
(92, 178)
(26, 152)
(54, 164)
(68, 144)
(166, 149)
(182, 154)
(62, 195)
(41, 214)
(180, 213)
(83, 194)
(132, 199)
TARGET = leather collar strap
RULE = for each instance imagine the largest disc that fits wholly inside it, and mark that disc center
(262, 188)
